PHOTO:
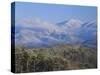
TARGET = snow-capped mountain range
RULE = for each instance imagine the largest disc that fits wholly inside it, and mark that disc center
(40, 33)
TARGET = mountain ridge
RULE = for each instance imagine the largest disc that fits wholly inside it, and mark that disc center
(43, 34)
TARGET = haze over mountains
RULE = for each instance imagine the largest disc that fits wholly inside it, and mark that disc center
(40, 33)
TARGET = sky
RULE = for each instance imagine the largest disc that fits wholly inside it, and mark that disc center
(54, 12)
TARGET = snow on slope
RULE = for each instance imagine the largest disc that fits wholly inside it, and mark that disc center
(39, 33)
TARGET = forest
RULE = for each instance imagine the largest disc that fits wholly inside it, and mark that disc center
(59, 57)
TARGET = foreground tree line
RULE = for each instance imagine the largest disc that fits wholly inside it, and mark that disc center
(62, 57)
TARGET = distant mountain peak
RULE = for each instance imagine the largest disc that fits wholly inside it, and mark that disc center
(74, 23)
(39, 33)
(71, 22)
(74, 20)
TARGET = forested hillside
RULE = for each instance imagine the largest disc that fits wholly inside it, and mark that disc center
(61, 57)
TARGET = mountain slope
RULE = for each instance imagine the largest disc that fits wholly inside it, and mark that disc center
(39, 33)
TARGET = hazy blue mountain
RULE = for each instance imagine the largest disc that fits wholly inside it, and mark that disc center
(39, 33)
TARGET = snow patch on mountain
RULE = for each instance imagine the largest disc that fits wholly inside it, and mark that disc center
(40, 33)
